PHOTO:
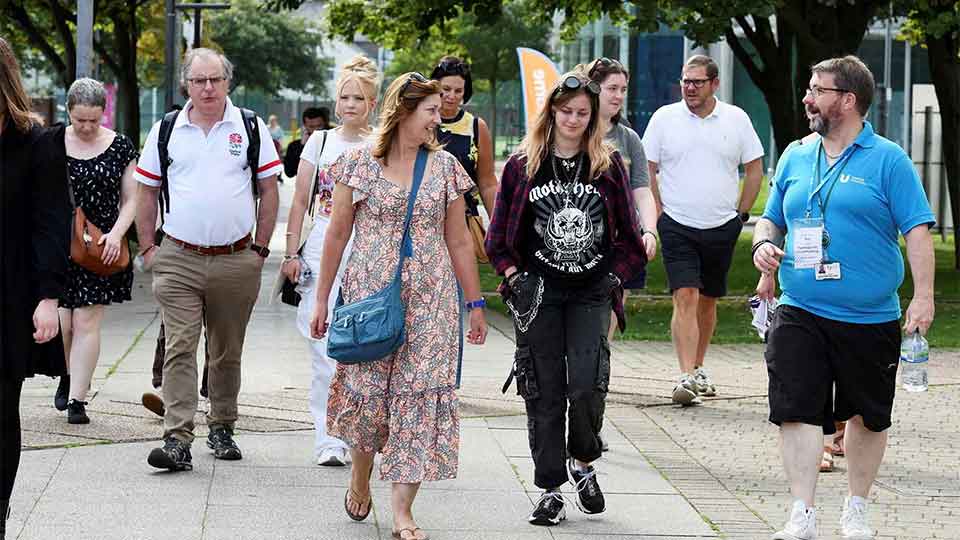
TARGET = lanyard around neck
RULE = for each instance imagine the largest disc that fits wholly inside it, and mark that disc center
(817, 182)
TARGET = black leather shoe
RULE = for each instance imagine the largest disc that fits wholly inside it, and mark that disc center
(220, 440)
(174, 455)
(63, 393)
(77, 412)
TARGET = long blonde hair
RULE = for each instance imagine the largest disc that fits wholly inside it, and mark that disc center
(400, 100)
(364, 72)
(16, 102)
(538, 142)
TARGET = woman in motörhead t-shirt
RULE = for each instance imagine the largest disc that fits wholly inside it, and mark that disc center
(357, 88)
(564, 236)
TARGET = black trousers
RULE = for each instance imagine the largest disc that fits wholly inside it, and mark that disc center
(563, 358)
(9, 434)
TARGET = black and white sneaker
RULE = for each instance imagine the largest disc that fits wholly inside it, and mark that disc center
(220, 440)
(589, 497)
(174, 455)
(549, 510)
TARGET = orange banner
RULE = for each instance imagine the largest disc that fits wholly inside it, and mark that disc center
(538, 75)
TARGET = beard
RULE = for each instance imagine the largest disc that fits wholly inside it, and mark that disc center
(824, 120)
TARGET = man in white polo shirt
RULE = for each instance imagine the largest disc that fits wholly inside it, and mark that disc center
(695, 148)
(209, 260)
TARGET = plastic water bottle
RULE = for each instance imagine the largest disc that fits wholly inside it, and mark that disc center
(914, 354)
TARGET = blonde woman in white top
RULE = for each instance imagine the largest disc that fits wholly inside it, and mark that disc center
(357, 87)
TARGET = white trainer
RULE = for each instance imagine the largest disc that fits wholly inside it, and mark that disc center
(332, 457)
(801, 526)
(705, 386)
(853, 522)
(685, 392)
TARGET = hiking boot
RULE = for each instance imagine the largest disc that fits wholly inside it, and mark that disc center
(853, 522)
(589, 497)
(220, 440)
(174, 455)
(62, 394)
(685, 392)
(77, 412)
(153, 403)
(705, 386)
(801, 526)
(549, 510)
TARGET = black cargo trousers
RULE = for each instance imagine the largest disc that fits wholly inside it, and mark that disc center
(562, 356)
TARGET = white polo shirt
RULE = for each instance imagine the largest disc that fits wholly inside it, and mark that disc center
(698, 159)
(211, 199)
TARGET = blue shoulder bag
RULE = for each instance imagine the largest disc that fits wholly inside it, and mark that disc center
(372, 328)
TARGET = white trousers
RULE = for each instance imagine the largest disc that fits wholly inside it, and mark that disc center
(323, 366)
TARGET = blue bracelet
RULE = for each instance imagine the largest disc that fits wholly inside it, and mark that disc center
(476, 303)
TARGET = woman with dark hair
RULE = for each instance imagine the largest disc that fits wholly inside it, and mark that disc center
(34, 242)
(463, 134)
(403, 406)
(565, 238)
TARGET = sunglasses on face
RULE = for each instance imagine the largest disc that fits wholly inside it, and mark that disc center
(573, 83)
(415, 76)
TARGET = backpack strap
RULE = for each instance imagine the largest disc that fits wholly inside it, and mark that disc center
(163, 141)
(252, 127)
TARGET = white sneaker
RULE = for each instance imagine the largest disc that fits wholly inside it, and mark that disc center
(853, 522)
(685, 392)
(332, 457)
(705, 386)
(801, 526)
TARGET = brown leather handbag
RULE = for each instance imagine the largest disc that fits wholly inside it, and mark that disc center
(478, 234)
(86, 251)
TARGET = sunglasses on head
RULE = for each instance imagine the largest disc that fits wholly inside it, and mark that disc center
(453, 67)
(604, 63)
(573, 83)
(415, 76)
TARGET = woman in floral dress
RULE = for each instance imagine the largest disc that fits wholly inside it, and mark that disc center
(403, 406)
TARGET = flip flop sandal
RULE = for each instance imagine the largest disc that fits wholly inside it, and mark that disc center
(398, 535)
(826, 462)
(361, 501)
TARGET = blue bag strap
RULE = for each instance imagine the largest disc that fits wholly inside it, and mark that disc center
(406, 245)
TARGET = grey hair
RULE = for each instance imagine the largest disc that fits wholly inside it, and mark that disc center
(86, 92)
(193, 54)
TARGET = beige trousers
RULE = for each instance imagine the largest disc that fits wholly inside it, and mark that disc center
(227, 286)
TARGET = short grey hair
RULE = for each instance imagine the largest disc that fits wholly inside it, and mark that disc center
(86, 92)
(193, 54)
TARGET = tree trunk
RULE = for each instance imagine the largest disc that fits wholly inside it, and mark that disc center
(493, 115)
(128, 88)
(945, 71)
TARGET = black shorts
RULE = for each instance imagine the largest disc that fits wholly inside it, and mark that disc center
(809, 356)
(698, 258)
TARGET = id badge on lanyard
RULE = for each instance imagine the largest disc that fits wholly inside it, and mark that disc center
(807, 239)
(810, 237)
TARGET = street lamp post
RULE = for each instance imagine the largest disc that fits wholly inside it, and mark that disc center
(170, 53)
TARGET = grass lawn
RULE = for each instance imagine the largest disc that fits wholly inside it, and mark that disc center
(648, 317)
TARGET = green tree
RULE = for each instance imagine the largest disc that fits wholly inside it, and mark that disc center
(935, 24)
(271, 51)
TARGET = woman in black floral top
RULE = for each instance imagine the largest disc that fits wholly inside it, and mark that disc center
(100, 164)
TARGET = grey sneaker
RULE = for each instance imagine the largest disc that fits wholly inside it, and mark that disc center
(853, 522)
(685, 392)
(174, 455)
(705, 386)
(801, 526)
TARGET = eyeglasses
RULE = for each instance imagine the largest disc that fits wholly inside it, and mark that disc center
(201, 82)
(573, 83)
(696, 83)
(452, 67)
(817, 91)
(415, 76)
(604, 62)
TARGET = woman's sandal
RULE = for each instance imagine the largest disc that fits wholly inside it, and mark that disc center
(826, 462)
(357, 498)
(411, 534)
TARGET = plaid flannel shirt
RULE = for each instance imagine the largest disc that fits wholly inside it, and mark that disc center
(627, 254)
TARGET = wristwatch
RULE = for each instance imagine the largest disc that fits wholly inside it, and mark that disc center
(744, 217)
(262, 251)
(476, 303)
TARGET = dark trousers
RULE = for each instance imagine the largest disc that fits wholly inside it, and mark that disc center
(9, 435)
(562, 358)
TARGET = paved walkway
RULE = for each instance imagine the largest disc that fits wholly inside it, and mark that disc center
(696, 473)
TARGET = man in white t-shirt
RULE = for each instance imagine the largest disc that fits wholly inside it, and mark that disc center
(694, 148)
(209, 261)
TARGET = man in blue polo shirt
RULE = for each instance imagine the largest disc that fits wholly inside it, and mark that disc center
(837, 206)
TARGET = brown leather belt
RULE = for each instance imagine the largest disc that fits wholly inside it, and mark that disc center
(239, 245)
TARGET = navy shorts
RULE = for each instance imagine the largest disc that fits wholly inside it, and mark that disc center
(698, 258)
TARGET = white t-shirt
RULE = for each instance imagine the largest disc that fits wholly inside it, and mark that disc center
(332, 149)
(698, 158)
(211, 199)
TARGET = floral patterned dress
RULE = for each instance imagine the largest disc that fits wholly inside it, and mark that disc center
(403, 406)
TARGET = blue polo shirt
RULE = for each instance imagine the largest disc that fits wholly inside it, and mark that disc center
(877, 196)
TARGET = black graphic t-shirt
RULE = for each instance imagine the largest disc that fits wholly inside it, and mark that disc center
(566, 229)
